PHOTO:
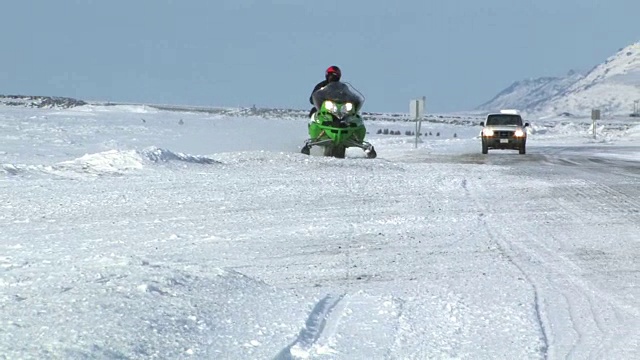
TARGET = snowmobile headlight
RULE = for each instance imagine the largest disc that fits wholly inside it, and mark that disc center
(487, 132)
(330, 106)
(518, 133)
(347, 107)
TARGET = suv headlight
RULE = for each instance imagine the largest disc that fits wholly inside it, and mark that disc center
(487, 132)
(518, 133)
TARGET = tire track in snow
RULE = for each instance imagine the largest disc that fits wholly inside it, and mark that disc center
(590, 310)
(325, 314)
(603, 197)
(401, 327)
(580, 319)
(512, 242)
(603, 307)
(502, 246)
(539, 311)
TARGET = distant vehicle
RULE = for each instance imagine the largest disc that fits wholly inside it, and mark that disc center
(504, 130)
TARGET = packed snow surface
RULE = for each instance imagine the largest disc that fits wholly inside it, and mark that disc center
(134, 233)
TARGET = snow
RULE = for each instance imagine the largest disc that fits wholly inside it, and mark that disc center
(611, 86)
(529, 93)
(132, 232)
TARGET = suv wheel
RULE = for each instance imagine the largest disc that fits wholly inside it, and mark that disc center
(523, 149)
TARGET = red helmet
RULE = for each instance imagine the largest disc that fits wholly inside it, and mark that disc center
(333, 72)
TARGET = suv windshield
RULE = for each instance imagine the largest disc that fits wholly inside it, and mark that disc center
(504, 119)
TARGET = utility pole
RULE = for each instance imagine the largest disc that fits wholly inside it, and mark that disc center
(416, 111)
(595, 115)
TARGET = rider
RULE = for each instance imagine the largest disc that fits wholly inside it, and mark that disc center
(332, 74)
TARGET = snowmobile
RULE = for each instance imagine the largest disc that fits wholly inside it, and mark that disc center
(337, 125)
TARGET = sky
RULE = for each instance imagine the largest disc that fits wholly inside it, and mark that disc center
(457, 53)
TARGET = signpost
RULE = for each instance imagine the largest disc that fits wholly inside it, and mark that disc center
(595, 115)
(416, 111)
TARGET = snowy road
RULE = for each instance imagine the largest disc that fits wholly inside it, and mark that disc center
(577, 246)
(150, 246)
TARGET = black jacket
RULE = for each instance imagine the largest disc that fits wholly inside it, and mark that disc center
(316, 88)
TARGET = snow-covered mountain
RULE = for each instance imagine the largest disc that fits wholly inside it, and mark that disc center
(612, 86)
(528, 93)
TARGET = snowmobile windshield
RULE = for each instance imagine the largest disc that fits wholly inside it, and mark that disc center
(338, 92)
(504, 119)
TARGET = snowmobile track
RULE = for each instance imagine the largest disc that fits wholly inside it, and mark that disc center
(324, 314)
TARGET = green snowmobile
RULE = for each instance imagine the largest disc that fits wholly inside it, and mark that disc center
(337, 125)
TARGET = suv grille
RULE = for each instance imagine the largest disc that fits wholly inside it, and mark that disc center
(504, 134)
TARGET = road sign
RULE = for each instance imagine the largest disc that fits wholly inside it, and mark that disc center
(416, 108)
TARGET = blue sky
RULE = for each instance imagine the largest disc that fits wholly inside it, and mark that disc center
(457, 53)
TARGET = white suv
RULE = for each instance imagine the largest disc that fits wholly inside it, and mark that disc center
(504, 130)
